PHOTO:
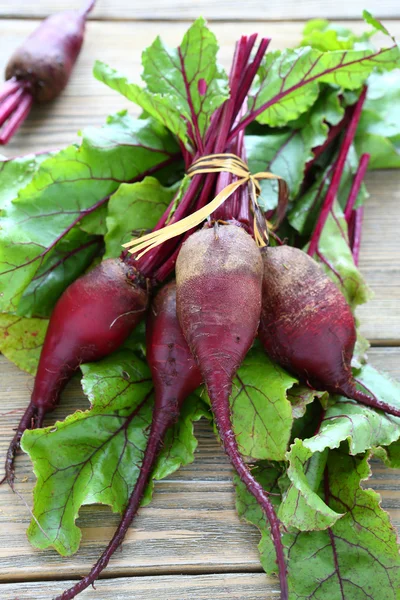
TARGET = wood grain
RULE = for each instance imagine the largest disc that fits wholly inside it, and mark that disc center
(191, 517)
(191, 526)
(225, 10)
(242, 586)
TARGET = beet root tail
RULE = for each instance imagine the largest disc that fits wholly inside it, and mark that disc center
(159, 426)
(372, 401)
(223, 419)
(31, 419)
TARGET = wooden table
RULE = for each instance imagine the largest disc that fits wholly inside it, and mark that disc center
(189, 543)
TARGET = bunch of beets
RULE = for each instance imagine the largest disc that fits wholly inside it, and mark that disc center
(227, 289)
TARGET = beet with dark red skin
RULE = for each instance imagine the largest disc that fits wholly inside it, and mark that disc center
(91, 319)
(175, 376)
(307, 325)
(219, 279)
(40, 68)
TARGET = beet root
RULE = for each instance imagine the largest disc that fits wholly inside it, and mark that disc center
(175, 376)
(219, 278)
(92, 318)
(307, 326)
(41, 67)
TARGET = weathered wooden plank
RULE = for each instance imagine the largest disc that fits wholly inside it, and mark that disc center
(225, 10)
(191, 518)
(380, 258)
(87, 102)
(243, 586)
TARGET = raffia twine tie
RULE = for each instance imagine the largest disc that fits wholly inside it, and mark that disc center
(216, 163)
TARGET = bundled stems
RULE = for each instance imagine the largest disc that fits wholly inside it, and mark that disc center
(337, 175)
(202, 187)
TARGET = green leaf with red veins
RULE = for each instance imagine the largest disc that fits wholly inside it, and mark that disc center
(378, 132)
(302, 506)
(185, 85)
(287, 152)
(324, 35)
(155, 105)
(288, 81)
(15, 173)
(306, 208)
(134, 209)
(261, 412)
(94, 456)
(188, 75)
(390, 455)
(335, 563)
(336, 259)
(68, 186)
(21, 340)
(362, 427)
(67, 261)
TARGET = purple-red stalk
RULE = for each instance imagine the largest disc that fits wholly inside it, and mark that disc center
(334, 132)
(356, 185)
(337, 175)
(40, 68)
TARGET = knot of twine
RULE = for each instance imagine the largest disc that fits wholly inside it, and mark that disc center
(217, 163)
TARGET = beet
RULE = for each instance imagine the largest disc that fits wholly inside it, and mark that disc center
(307, 326)
(219, 278)
(175, 376)
(92, 318)
(40, 68)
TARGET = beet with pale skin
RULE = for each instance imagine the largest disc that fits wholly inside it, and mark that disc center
(91, 319)
(307, 325)
(219, 278)
(175, 376)
(40, 68)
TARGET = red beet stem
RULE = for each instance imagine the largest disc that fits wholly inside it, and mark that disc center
(371, 400)
(355, 188)
(221, 411)
(357, 228)
(333, 133)
(10, 104)
(337, 175)
(17, 118)
(10, 86)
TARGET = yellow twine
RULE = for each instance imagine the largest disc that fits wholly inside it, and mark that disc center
(214, 163)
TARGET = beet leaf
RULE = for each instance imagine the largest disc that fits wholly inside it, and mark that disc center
(378, 133)
(336, 562)
(261, 412)
(68, 260)
(140, 205)
(289, 81)
(94, 456)
(21, 340)
(184, 85)
(68, 186)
